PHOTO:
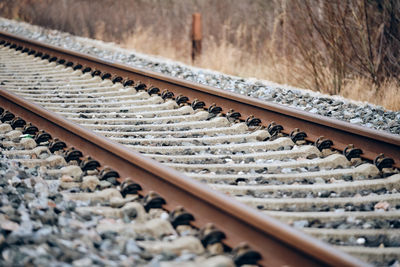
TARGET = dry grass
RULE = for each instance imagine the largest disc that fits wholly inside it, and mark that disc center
(221, 55)
(295, 42)
(228, 58)
(145, 41)
(364, 90)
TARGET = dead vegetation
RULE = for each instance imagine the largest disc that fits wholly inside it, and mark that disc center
(346, 47)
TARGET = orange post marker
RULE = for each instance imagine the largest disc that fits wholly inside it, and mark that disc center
(196, 35)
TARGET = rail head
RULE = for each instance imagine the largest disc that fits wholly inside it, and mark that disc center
(372, 142)
(278, 243)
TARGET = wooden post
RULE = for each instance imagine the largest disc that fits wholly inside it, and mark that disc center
(196, 36)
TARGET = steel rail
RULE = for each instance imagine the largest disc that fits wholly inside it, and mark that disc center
(278, 243)
(372, 142)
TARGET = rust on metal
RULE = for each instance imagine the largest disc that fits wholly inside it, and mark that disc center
(372, 142)
(196, 35)
(278, 243)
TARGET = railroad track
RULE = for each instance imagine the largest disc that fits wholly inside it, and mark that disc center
(350, 200)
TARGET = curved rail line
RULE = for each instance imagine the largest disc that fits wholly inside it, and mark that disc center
(259, 165)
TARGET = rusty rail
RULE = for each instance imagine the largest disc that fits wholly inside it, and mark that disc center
(372, 142)
(278, 243)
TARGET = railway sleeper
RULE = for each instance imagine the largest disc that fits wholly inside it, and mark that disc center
(89, 93)
(374, 255)
(332, 161)
(342, 220)
(332, 190)
(311, 176)
(358, 237)
(177, 111)
(296, 152)
(239, 128)
(340, 204)
(278, 144)
(179, 126)
(121, 96)
(194, 141)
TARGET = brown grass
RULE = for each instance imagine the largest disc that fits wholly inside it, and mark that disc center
(351, 48)
(221, 55)
(361, 89)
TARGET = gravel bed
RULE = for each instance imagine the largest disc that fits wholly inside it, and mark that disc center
(364, 114)
(349, 223)
(40, 227)
(321, 194)
(341, 207)
(373, 241)
(48, 218)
